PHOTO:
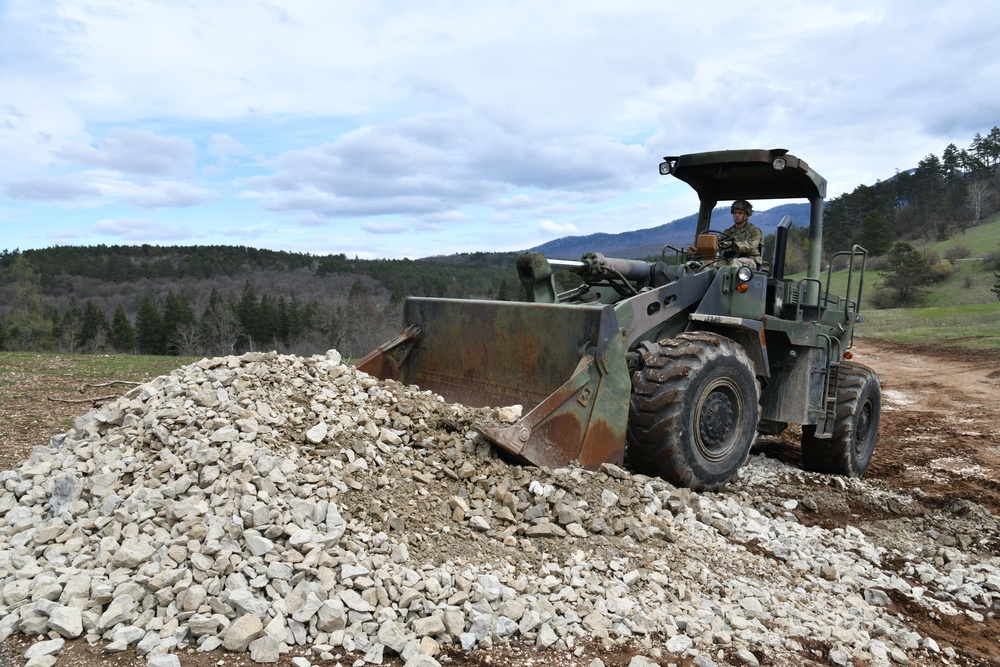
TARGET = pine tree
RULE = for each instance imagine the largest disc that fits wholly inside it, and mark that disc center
(906, 275)
(876, 236)
(284, 323)
(179, 323)
(122, 333)
(92, 334)
(67, 327)
(149, 334)
(504, 291)
(266, 323)
(26, 326)
(246, 314)
(299, 317)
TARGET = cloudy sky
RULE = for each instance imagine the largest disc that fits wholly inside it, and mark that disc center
(388, 128)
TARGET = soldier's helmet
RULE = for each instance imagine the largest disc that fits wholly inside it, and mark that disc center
(742, 205)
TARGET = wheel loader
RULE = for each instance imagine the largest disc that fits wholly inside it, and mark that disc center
(669, 367)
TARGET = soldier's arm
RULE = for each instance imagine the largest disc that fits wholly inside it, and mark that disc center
(749, 244)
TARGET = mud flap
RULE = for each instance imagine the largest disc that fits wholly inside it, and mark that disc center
(564, 364)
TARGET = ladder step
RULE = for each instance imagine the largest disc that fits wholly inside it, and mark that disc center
(825, 426)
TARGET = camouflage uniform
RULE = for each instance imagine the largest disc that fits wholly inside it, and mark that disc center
(746, 245)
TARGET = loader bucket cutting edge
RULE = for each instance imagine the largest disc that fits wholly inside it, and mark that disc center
(564, 364)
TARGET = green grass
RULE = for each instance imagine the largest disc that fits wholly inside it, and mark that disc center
(969, 284)
(981, 239)
(972, 326)
(959, 311)
(68, 371)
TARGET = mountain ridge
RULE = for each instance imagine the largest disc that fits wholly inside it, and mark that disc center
(680, 233)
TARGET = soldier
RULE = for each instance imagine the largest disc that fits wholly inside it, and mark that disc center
(740, 244)
(743, 246)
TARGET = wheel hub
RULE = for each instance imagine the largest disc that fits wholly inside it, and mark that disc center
(861, 430)
(715, 420)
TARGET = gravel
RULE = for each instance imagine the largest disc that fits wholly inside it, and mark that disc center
(266, 503)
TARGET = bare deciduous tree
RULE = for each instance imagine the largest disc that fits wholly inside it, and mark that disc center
(187, 340)
(980, 198)
(220, 329)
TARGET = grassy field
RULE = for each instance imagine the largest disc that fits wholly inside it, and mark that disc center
(959, 311)
(981, 239)
(42, 393)
(64, 373)
(973, 326)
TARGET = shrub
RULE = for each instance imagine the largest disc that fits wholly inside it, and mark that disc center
(956, 252)
(942, 270)
(877, 263)
(881, 299)
(991, 261)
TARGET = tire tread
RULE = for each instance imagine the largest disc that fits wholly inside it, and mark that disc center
(657, 407)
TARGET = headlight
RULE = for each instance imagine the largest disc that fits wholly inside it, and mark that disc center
(778, 163)
(744, 274)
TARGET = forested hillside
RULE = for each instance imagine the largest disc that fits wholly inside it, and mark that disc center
(227, 299)
(219, 299)
(941, 197)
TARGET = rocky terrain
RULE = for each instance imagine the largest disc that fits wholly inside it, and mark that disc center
(270, 508)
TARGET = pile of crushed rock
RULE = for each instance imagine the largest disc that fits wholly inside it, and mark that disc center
(270, 503)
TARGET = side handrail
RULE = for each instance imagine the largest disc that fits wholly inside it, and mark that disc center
(678, 253)
(802, 292)
(854, 252)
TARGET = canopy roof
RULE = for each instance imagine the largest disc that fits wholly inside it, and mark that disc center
(746, 174)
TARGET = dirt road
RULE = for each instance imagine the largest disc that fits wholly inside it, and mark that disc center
(939, 445)
(939, 442)
(941, 421)
(940, 427)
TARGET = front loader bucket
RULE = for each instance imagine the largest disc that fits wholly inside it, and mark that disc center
(564, 364)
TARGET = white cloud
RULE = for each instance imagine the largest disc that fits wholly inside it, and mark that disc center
(549, 228)
(223, 144)
(442, 125)
(133, 152)
(246, 233)
(384, 228)
(447, 217)
(149, 194)
(432, 164)
(50, 188)
(142, 230)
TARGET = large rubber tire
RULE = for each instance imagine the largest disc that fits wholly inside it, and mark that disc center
(694, 411)
(859, 410)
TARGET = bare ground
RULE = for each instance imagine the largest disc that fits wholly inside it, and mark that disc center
(939, 442)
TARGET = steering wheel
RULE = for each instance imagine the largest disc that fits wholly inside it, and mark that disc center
(723, 237)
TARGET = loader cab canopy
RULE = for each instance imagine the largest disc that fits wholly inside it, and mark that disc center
(747, 174)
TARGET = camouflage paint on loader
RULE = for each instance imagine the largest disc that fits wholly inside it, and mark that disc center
(672, 365)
